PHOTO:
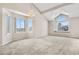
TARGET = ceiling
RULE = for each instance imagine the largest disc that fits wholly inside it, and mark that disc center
(48, 10)
(45, 6)
(21, 7)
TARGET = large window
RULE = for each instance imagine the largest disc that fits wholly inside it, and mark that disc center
(8, 19)
(20, 24)
(30, 25)
(62, 23)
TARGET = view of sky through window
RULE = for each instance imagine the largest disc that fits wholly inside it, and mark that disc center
(19, 23)
(63, 20)
(30, 23)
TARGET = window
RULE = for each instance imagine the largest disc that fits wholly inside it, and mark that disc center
(20, 24)
(8, 23)
(62, 23)
(30, 24)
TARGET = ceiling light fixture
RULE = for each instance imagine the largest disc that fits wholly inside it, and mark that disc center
(31, 12)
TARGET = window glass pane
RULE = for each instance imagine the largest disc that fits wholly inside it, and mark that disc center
(61, 18)
(63, 23)
(20, 24)
(30, 24)
(17, 23)
(8, 23)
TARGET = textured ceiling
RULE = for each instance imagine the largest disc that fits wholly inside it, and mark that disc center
(48, 9)
(45, 6)
(71, 9)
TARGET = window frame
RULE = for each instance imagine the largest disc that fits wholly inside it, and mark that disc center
(30, 25)
(8, 22)
(21, 18)
(56, 24)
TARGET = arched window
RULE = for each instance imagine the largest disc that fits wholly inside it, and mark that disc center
(62, 23)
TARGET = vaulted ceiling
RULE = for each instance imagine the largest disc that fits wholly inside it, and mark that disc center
(48, 10)
(45, 6)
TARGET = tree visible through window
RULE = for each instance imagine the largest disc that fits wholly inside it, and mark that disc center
(30, 24)
(20, 24)
(62, 23)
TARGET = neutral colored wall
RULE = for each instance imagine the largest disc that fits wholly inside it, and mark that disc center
(74, 27)
(6, 37)
(73, 11)
(52, 32)
(40, 25)
(17, 7)
(73, 31)
(39, 29)
(18, 35)
(0, 26)
(22, 7)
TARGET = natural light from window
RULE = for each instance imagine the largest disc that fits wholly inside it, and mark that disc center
(30, 24)
(20, 24)
(62, 23)
(8, 18)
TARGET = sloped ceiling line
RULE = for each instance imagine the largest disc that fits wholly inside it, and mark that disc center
(50, 9)
(39, 11)
(54, 8)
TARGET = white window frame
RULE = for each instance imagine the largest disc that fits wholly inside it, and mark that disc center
(24, 25)
(8, 21)
(30, 25)
(56, 25)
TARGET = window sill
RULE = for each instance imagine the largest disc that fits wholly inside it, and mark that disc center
(20, 32)
(61, 32)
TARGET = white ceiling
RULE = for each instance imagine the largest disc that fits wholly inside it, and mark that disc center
(72, 9)
(45, 6)
(22, 7)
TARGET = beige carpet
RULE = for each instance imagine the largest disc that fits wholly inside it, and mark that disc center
(50, 45)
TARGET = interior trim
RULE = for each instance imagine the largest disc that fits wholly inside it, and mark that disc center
(54, 8)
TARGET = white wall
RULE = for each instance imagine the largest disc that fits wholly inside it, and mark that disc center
(73, 11)
(74, 27)
(22, 7)
(0, 26)
(19, 35)
(73, 31)
(6, 37)
(40, 28)
(14, 6)
(40, 24)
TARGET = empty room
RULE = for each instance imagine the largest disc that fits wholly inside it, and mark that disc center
(39, 29)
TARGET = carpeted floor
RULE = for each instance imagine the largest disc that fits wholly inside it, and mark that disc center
(50, 45)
